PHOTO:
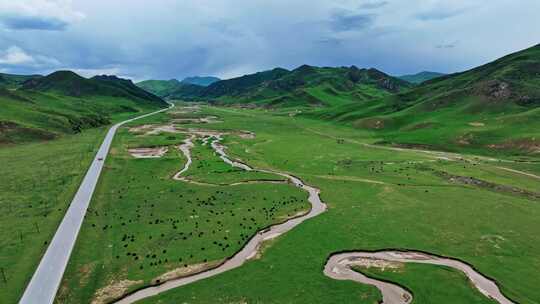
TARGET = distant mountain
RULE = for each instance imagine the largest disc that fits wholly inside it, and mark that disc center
(11, 81)
(70, 84)
(174, 89)
(185, 91)
(421, 77)
(306, 85)
(161, 88)
(495, 106)
(201, 80)
(43, 108)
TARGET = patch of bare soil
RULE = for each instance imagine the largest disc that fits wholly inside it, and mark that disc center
(477, 124)
(498, 90)
(185, 271)
(85, 272)
(246, 135)
(11, 132)
(370, 123)
(531, 145)
(141, 129)
(113, 291)
(197, 120)
(423, 125)
(414, 146)
(466, 180)
(148, 152)
(376, 263)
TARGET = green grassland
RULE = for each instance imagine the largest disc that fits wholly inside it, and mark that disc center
(430, 284)
(142, 223)
(378, 198)
(208, 167)
(421, 77)
(161, 88)
(305, 86)
(45, 116)
(63, 102)
(37, 183)
(489, 109)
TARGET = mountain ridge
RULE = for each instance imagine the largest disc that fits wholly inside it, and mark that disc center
(420, 77)
(495, 105)
(304, 85)
(63, 102)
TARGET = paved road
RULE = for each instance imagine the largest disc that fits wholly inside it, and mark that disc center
(46, 280)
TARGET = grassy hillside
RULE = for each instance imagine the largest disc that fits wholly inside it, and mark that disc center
(174, 89)
(201, 80)
(10, 81)
(493, 107)
(66, 103)
(161, 88)
(420, 77)
(304, 86)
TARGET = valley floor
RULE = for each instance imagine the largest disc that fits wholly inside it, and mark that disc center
(479, 210)
(151, 222)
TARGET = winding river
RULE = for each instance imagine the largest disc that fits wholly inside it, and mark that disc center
(338, 265)
(252, 247)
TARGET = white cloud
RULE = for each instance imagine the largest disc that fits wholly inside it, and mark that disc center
(15, 56)
(227, 38)
(38, 14)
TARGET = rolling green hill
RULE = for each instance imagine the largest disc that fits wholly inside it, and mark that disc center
(174, 89)
(161, 88)
(64, 102)
(201, 80)
(420, 77)
(495, 106)
(304, 86)
(11, 81)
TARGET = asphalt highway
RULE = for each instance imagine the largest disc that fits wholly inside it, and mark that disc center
(46, 280)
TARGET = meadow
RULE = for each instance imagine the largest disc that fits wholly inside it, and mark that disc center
(144, 228)
(207, 167)
(37, 183)
(379, 198)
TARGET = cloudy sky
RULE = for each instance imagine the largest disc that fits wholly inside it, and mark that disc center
(163, 39)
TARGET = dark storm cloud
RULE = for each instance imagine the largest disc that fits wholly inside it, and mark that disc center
(173, 39)
(345, 21)
(330, 41)
(439, 14)
(33, 23)
(373, 5)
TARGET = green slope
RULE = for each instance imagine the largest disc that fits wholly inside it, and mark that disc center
(304, 86)
(11, 81)
(176, 89)
(201, 80)
(161, 88)
(64, 102)
(420, 77)
(494, 107)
